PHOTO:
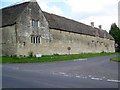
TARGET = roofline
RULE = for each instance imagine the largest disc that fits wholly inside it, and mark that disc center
(72, 20)
(12, 5)
(8, 25)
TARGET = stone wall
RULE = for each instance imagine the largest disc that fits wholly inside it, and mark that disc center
(57, 44)
(25, 30)
(79, 43)
(9, 46)
(61, 40)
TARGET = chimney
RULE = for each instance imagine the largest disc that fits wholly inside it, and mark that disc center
(100, 26)
(92, 24)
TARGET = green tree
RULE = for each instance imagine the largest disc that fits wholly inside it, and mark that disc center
(115, 33)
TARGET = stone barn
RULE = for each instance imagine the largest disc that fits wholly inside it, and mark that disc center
(26, 28)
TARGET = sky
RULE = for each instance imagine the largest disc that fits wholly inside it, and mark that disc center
(101, 12)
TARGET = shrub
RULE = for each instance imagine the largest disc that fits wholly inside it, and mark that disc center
(117, 49)
(56, 54)
(103, 52)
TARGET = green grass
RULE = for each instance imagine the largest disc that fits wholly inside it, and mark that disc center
(49, 58)
(116, 59)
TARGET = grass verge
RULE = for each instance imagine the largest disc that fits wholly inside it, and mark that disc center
(116, 59)
(49, 58)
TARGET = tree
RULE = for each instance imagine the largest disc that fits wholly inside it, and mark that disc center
(115, 33)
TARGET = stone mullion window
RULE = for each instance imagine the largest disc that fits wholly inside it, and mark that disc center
(35, 39)
(32, 39)
(35, 23)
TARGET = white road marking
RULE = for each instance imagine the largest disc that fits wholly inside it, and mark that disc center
(84, 77)
(96, 78)
(77, 76)
(81, 59)
(103, 77)
(62, 73)
(90, 76)
(110, 80)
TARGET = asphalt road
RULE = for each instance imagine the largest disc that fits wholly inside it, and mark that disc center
(82, 73)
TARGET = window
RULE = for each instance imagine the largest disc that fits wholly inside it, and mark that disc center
(35, 23)
(35, 39)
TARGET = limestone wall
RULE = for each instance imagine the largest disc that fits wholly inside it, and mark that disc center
(9, 46)
(79, 43)
(61, 40)
(57, 44)
(25, 30)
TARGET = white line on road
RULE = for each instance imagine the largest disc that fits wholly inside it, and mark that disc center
(110, 80)
(96, 78)
(80, 59)
(85, 77)
(77, 76)
(62, 73)
(90, 76)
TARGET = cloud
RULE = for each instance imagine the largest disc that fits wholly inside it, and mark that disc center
(54, 9)
(90, 6)
(102, 12)
(105, 21)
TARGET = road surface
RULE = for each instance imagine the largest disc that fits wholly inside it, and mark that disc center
(97, 72)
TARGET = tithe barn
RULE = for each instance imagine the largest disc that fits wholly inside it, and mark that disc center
(26, 28)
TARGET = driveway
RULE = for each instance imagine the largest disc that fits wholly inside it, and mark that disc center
(97, 72)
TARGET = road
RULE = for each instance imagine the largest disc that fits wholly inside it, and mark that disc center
(97, 72)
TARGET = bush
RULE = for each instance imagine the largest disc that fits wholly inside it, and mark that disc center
(117, 49)
(56, 54)
(103, 52)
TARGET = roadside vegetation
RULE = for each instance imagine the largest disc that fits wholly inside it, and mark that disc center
(48, 58)
(116, 59)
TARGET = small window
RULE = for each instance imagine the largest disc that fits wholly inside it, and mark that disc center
(39, 39)
(35, 23)
(35, 39)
